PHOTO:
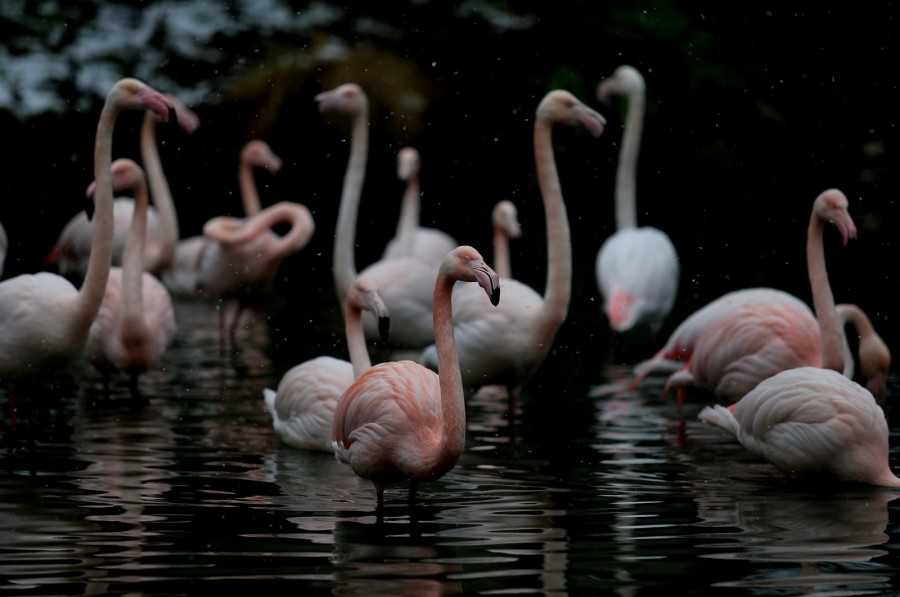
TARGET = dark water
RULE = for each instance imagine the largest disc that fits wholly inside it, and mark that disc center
(585, 493)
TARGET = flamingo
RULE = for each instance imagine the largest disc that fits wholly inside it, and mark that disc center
(745, 336)
(4, 248)
(400, 280)
(243, 256)
(44, 318)
(71, 252)
(810, 421)
(637, 268)
(874, 355)
(401, 420)
(411, 239)
(505, 222)
(181, 276)
(505, 346)
(136, 321)
(302, 408)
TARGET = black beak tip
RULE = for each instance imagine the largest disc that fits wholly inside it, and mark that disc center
(495, 296)
(384, 324)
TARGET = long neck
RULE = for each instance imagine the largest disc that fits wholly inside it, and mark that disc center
(626, 173)
(356, 340)
(133, 266)
(247, 187)
(90, 295)
(159, 190)
(453, 404)
(409, 217)
(823, 300)
(559, 249)
(233, 231)
(502, 263)
(344, 260)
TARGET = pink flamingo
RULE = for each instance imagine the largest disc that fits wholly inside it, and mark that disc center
(181, 277)
(505, 222)
(401, 420)
(71, 252)
(4, 248)
(45, 319)
(401, 280)
(745, 336)
(637, 268)
(874, 355)
(136, 321)
(811, 421)
(505, 346)
(243, 256)
(302, 408)
(411, 239)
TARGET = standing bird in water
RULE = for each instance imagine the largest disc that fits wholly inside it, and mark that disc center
(637, 268)
(136, 321)
(746, 336)
(873, 354)
(401, 420)
(44, 318)
(505, 223)
(812, 422)
(302, 408)
(507, 345)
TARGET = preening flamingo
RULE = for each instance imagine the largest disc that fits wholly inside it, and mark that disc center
(745, 336)
(637, 268)
(181, 277)
(505, 223)
(873, 354)
(44, 318)
(243, 256)
(811, 421)
(302, 408)
(411, 239)
(71, 252)
(136, 321)
(505, 346)
(401, 420)
(400, 280)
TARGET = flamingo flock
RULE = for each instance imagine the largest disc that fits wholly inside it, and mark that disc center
(452, 321)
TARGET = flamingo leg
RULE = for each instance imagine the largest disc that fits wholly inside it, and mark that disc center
(413, 489)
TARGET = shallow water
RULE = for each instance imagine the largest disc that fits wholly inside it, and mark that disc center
(590, 490)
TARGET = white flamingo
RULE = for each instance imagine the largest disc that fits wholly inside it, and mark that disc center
(637, 268)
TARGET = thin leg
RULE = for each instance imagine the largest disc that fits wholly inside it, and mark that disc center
(379, 494)
(413, 488)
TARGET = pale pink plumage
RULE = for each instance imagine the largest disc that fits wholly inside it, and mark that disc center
(44, 318)
(302, 408)
(505, 346)
(873, 354)
(811, 421)
(637, 268)
(402, 421)
(181, 276)
(411, 239)
(505, 225)
(401, 281)
(745, 336)
(136, 321)
(71, 251)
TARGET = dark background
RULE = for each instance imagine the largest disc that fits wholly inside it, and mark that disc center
(752, 110)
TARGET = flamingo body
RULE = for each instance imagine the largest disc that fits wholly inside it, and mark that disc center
(811, 421)
(400, 420)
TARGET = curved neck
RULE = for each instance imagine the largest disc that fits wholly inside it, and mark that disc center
(233, 231)
(502, 262)
(557, 292)
(823, 300)
(626, 172)
(356, 340)
(159, 189)
(409, 217)
(247, 186)
(453, 404)
(344, 260)
(133, 265)
(90, 295)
